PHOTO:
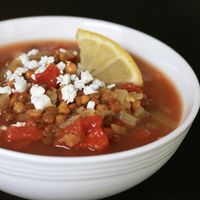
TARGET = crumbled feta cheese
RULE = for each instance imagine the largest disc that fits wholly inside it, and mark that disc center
(19, 124)
(5, 90)
(91, 105)
(33, 77)
(74, 77)
(79, 84)
(40, 69)
(45, 60)
(38, 98)
(20, 84)
(37, 90)
(94, 86)
(61, 66)
(98, 82)
(12, 77)
(32, 52)
(63, 79)
(111, 86)
(41, 102)
(3, 128)
(69, 93)
(89, 90)
(86, 77)
(8, 74)
(32, 64)
(43, 63)
(62, 50)
(24, 59)
(20, 70)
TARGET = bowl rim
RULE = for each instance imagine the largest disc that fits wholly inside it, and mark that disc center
(117, 155)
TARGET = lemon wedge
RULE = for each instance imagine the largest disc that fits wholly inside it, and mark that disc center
(106, 60)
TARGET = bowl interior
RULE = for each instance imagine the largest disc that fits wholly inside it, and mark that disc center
(142, 45)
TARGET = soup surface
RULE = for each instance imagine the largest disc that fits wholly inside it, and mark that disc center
(92, 123)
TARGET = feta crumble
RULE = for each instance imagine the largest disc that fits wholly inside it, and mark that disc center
(63, 79)
(33, 77)
(111, 86)
(32, 52)
(46, 60)
(43, 63)
(98, 82)
(20, 84)
(38, 98)
(23, 58)
(86, 77)
(91, 105)
(61, 66)
(41, 102)
(37, 90)
(74, 77)
(32, 64)
(20, 70)
(89, 90)
(79, 84)
(19, 124)
(5, 90)
(40, 69)
(69, 93)
(11, 76)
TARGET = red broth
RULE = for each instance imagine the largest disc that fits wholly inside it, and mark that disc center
(165, 106)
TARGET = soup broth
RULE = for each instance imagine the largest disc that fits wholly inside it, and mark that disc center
(161, 101)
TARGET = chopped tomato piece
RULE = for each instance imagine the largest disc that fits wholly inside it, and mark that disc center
(130, 87)
(91, 122)
(48, 77)
(86, 132)
(96, 140)
(29, 132)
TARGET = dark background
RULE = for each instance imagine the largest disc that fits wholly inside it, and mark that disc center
(175, 22)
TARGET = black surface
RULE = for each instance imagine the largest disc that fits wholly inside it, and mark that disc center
(175, 23)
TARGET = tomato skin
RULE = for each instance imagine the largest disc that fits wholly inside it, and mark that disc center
(130, 87)
(29, 132)
(96, 140)
(48, 77)
(89, 123)
(89, 129)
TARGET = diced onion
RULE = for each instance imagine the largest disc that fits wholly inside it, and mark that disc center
(141, 112)
(118, 129)
(133, 96)
(69, 121)
(121, 95)
(127, 118)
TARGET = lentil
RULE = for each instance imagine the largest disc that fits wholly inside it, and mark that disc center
(18, 107)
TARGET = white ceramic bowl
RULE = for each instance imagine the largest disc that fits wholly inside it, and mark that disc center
(43, 177)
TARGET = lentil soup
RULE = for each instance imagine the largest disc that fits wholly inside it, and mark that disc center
(52, 107)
